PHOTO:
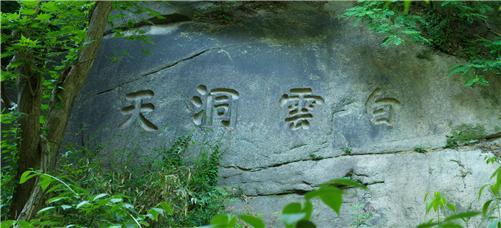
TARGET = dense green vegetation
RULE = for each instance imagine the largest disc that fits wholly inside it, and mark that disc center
(168, 192)
(44, 42)
(463, 29)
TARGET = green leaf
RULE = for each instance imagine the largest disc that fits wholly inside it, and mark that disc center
(65, 207)
(26, 11)
(451, 207)
(45, 209)
(329, 195)
(485, 207)
(392, 40)
(223, 220)
(24, 224)
(308, 209)
(81, 204)
(50, 7)
(56, 199)
(481, 190)
(450, 225)
(458, 69)
(155, 212)
(27, 175)
(45, 181)
(254, 221)
(462, 215)
(292, 213)
(430, 223)
(7, 223)
(166, 207)
(305, 224)
(99, 196)
(43, 17)
(116, 200)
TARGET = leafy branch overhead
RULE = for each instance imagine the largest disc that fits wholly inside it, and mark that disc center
(462, 29)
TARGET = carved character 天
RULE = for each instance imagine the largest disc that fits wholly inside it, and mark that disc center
(137, 109)
(300, 102)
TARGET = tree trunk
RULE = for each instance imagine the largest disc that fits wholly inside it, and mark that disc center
(62, 100)
(29, 100)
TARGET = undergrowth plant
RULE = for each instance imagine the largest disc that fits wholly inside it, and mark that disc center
(446, 215)
(8, 159)
(169, 192)
(72, 206)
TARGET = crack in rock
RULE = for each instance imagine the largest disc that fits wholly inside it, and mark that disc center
(160, 68)
(317, 159)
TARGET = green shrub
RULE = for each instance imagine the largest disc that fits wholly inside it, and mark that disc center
(170, 192)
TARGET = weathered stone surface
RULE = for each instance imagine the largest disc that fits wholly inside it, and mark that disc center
(396, 182)
(379, 102)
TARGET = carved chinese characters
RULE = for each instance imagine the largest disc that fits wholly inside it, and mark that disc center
(381, 108)
(136, 110)
(215, 107)
(300, 102)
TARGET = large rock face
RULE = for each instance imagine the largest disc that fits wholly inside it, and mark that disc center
(289, 91)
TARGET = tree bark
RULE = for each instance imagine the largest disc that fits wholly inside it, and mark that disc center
(62, 101)
(29, 100)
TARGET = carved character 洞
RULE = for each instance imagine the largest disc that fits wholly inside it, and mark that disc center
(215, 107)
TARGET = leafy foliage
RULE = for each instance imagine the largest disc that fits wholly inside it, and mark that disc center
(190, 187)
(9, 158)
(47, 36)
(491, 209)
(439, 204)
(71, 205)
(454, 27)
(171, 193)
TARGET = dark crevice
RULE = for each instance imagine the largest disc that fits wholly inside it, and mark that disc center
(299, 192)
(373, 183)
(158, 69)
(260, 168)
(236, 167)
(493, 136)
(302, 192)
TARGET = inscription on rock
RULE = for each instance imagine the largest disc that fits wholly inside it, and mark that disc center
(381, 109)
(300, 102)
(137, 109)
(215, 107)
